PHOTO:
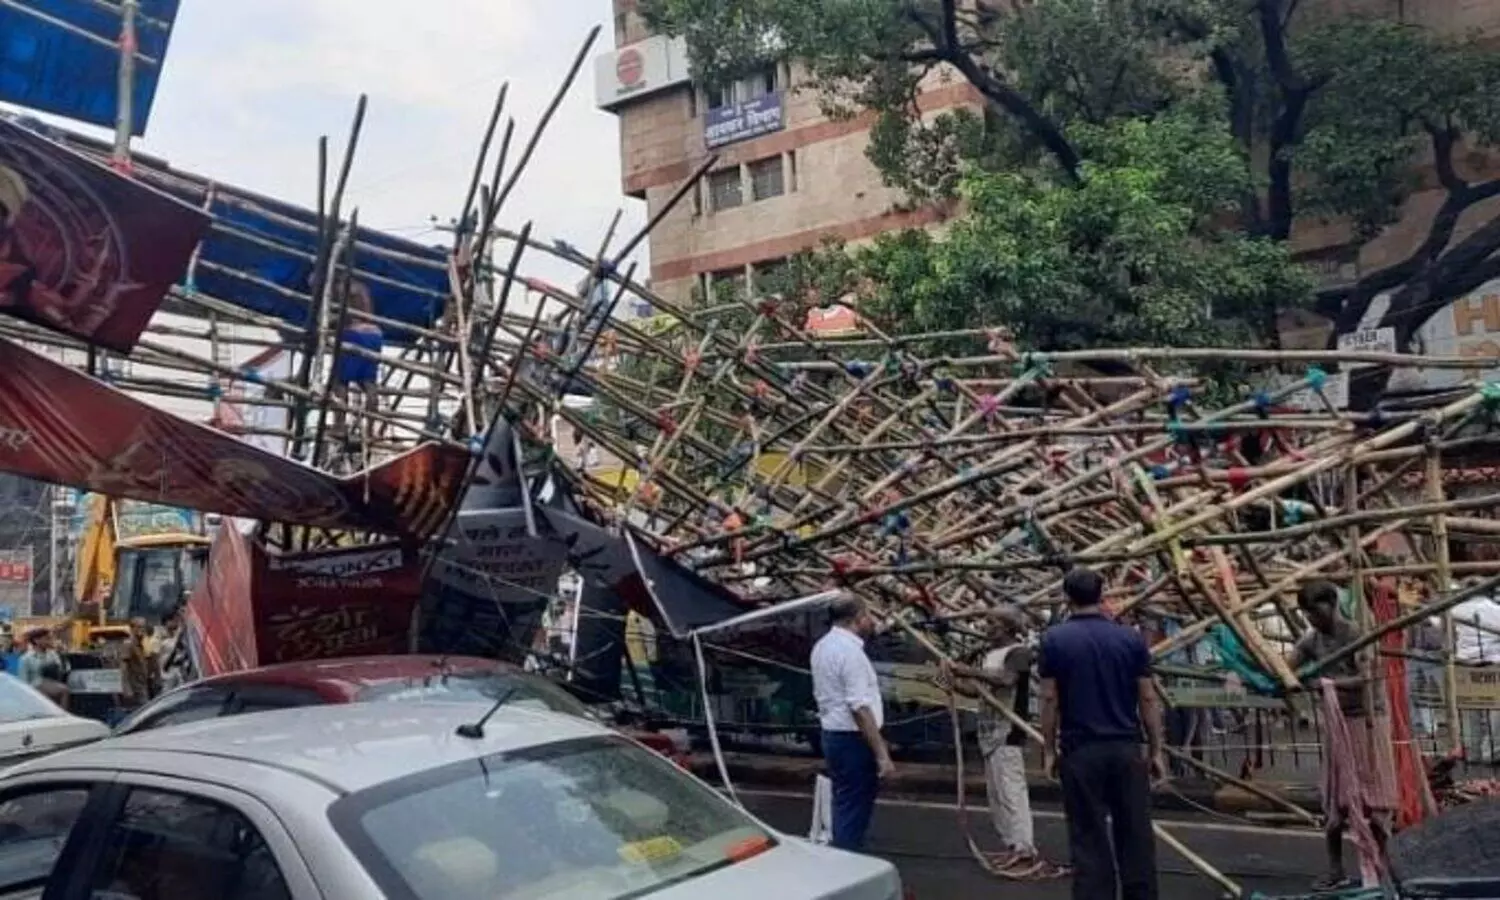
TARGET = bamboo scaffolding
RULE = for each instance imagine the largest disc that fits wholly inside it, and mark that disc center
(776, 462)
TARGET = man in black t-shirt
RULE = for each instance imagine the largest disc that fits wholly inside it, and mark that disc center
(1096, 694)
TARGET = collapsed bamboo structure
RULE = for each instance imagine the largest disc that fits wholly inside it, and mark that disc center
(938, 486)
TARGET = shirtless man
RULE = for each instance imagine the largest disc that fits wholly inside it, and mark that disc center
(1364, 711)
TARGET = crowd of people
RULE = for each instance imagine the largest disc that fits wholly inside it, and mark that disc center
(1101, 727)
(150, 661)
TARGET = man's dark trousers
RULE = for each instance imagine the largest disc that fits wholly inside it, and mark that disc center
(856, 780)
(1107, 796)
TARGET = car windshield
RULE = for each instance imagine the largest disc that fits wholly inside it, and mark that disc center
(19, 701)
(594, 819)
(520, 689)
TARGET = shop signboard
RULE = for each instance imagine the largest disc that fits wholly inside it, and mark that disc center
(742, 121)
(1478, 687)
(1469, 327)
(1369, 340)
(17, 575)
(138, 519)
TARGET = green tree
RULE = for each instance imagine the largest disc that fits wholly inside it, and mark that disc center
(1330, 117)
(1133, 252)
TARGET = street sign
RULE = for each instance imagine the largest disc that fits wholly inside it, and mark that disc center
(1369, 340)
(17, 575)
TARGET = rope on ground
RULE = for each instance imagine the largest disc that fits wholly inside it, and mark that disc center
(1360, 893)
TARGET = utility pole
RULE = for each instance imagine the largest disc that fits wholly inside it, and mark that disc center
(54, 500)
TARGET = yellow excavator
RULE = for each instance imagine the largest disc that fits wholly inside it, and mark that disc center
(140, 565)
(125, 573)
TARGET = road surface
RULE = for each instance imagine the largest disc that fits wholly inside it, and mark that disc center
(923, 840)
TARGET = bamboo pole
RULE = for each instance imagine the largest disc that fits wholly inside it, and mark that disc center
(1443, 576)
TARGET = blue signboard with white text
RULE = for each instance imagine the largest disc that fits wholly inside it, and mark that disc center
(63, 57)
(742, 121)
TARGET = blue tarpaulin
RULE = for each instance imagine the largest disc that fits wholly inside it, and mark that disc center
(63, 56)
(260, 252)
(260, 249)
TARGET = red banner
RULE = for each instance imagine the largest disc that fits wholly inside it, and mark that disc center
(254, 609)
(61, 426)
(338, 603)
(84, 250)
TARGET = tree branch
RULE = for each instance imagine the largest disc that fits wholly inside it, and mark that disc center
(1423, 298)
(1273, 34)
(1347, 304)
(1443, 140)
(944, 37)
(1286, 130)
(1240, 86)
(1001, 93)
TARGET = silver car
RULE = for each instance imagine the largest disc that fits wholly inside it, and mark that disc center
(422, 801)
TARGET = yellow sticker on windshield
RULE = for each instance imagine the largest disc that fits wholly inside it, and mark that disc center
(653, 850)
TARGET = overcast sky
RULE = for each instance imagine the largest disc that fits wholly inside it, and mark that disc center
(249, 86)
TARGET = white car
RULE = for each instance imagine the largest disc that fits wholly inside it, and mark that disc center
(420, 801)
(32, 726)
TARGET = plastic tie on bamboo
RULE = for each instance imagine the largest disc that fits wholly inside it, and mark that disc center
(1490, 396)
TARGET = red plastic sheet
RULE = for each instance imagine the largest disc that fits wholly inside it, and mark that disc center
(1413, 791)
(219, 616)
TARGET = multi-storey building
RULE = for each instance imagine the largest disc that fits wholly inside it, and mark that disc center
(787, 175)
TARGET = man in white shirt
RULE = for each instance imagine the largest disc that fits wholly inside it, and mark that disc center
(851, 713)
(1476, 630)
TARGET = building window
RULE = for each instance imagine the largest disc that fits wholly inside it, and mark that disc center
(791, 171)
(767, 178)
(770, 276)
(726, 284)
(725, 189)
(718, 97)
(760, 83)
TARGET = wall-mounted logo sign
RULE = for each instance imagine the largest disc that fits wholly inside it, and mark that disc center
(743, 121)
(640, 69)
(630, 68)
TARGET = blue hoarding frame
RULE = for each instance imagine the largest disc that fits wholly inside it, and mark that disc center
(260, 251)
(63, 57)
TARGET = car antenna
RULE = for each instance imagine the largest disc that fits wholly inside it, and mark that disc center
(475, 730)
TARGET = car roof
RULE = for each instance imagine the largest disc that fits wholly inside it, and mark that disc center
(345, 747)
(351, 675)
